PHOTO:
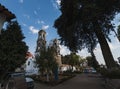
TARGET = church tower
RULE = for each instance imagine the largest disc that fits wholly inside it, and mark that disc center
(56, 45)
(41, 42)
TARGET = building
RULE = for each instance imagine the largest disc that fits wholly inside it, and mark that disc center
(41, 45)
(66, 67)
(5, 15)
(30, 65)
(56, 45)
(41, 42)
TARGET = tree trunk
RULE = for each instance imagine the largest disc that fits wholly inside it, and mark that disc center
(95, 62)
(108, 57)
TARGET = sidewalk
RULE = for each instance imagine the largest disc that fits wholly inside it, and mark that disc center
(81, 81)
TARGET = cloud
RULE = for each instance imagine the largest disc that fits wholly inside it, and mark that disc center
(83, 53)
(33, 29)
(115, 44)
(112, 46)
(64, 50)
(45, 27)
(116, 20)
(24, 24)
(40, 22)
(58, 2)
(39, 8)
(35, 12)
(26, 16)
(21, 1)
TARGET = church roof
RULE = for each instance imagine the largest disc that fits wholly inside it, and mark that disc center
(28, 54)
(9, 15)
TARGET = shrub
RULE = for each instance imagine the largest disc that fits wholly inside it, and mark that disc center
(110, 73)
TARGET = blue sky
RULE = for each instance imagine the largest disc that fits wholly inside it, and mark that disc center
(34, 15)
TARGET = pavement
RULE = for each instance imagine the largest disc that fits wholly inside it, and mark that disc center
(81, 81)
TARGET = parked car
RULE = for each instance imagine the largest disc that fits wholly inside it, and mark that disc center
(30, 83)
(89, 70)
(15, 80)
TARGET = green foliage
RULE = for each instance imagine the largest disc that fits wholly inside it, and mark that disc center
(46, 60)
(112, 73)
(72, 59)
(92, 62)
(76, 23)
(84, 23)
(12, 47)
(65, 59)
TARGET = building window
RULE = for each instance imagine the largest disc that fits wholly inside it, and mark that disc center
(28, 63)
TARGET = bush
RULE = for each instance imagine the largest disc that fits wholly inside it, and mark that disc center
(110, 73)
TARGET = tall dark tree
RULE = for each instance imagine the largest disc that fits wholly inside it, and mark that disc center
(92, 62)
(12, 47)
(65, 59)
(82, 20)
(74, 60)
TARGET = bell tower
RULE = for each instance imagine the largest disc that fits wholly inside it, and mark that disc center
(41, 41)
(56, 45)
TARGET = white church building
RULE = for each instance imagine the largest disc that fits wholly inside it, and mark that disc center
(30, 65)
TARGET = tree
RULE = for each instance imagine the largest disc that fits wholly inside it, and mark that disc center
(74, 60)
(92, 62)
(85, 22)
(71, 59)
(46, 61)
(65, 59)
(12, 47)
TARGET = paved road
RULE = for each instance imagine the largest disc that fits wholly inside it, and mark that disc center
(82, 81)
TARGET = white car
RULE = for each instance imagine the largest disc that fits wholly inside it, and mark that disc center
(30, 83)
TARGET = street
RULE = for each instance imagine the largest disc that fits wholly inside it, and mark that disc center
(81, 81)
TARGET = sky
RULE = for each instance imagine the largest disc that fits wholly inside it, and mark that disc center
(34, 15)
